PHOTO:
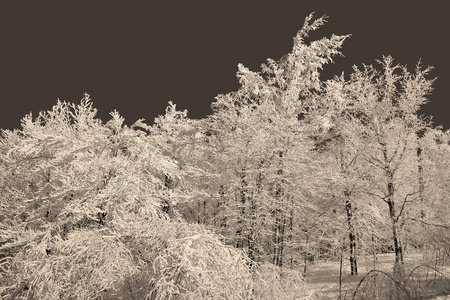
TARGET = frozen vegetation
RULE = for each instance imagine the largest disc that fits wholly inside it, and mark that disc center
(290, 176)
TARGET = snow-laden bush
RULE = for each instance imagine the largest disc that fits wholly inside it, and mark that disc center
(189, 262)
(83, 265)
(159, 259)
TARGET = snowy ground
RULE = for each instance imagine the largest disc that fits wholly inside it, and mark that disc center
(323, 277)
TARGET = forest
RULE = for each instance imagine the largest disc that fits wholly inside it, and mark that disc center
(288, 172)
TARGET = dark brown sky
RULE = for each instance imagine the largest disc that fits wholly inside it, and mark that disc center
(136, 56)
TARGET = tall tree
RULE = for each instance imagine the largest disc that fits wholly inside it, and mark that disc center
(338, 142)
(386, 104)
(265, 146)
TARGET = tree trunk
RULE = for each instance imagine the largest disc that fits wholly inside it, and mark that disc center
(251, 234)
(351, 233)
(246, 220)
(281, 230)
(421, 180)
(276, 235)
(241, 217)
(280, 218)
(289, 238)
(399, 271)
(374, 251)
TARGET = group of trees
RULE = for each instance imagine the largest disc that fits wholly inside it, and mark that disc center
(287, 169)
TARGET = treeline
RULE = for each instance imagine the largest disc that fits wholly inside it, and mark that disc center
(286, 170)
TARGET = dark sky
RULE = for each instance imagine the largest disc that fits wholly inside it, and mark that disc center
(135, 56)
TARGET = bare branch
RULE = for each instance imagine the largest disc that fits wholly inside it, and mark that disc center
(405, 200)
(431, 224)
(372, 160)
(377, 196)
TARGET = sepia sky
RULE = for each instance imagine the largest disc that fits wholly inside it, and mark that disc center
(135, 56)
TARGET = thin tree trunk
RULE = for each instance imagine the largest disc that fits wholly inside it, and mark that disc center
(351, 234)
(246, 231)
(399, 271)
(374, 251)
(289, 238)
(241, 217)
(280, 219)
(281, 242)
(275, 235)
(395, 232)
(340, 276)
(250, 238)
(305, 256)
(398, 266)
(421, 180)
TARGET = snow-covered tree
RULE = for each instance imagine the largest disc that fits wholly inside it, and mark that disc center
(266, 166)
(386, 104)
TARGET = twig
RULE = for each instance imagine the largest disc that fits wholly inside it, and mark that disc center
(431, 224)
